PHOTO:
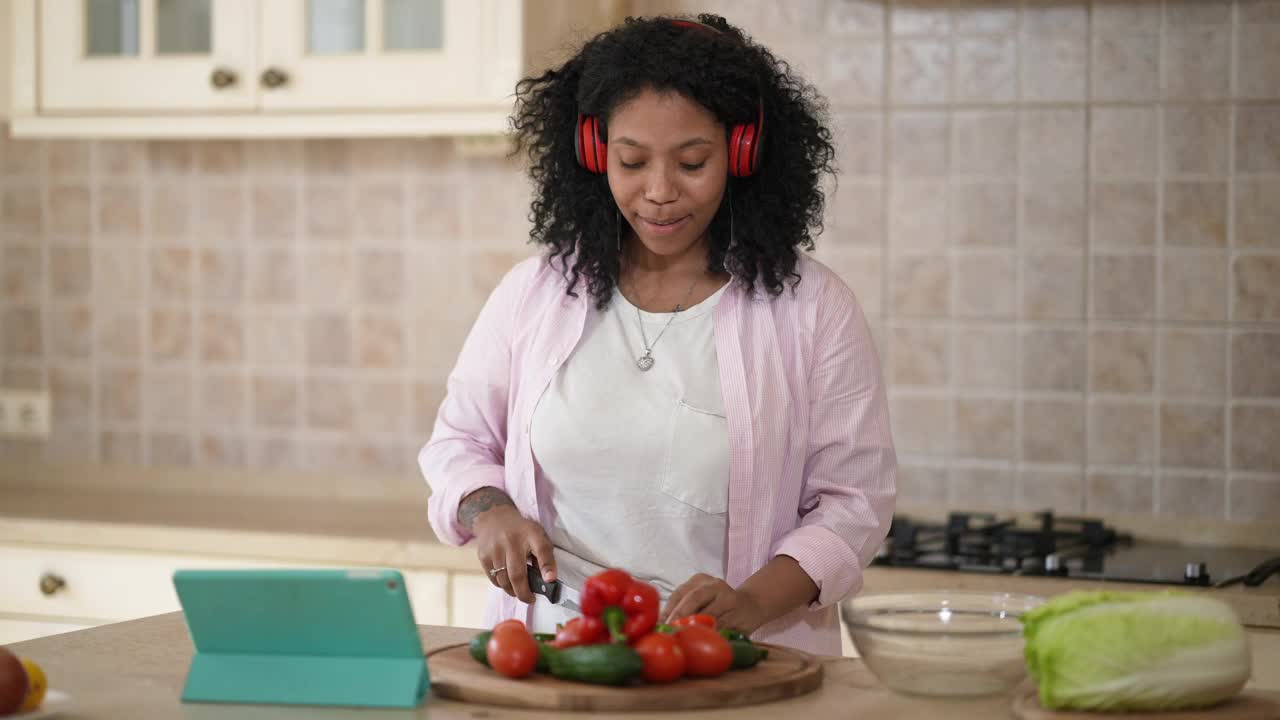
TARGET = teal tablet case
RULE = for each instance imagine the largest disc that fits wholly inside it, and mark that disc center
(302, 637)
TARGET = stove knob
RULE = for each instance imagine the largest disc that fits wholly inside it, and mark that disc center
(1196, 574)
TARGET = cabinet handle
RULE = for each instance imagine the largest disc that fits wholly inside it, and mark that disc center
(274, 77)
(50, 584)
(222, 78)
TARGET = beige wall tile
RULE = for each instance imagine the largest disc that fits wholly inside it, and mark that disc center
(1121, 433)
(120, 210)
(1053, 213)
(68, 158)
(918, 214)
(863, 154)
(70, 271)
(221, 450)
(1192, 495)
(273, 275)
(70, 332)
(920, 286)
(1053, 431)
(118, 333)
(918, 144)
(1195, 287)
(435, 212)
(167, 398)
(1053, 359)
(1052, 287)
(70, 446)
(222, 217)
(274, 401)
(380, 406)
(856, 212)
(1126, 64)
(862, 271)
(921, 485)
(985, 17)
(327, 277)
(1062, 492)
(328, 402)
(1052, 142)
(1195, 214)
(855, 18)
(328, 208)
(21, 273)
(1123, 287)
(1257, 288)
(1111, 492)
(1255, 364)
(1195, 12)
(980, 143)
(1257, 213)
(278, 158)
(855, 71)
(1053, 63)
(70, 396)
(921, 424)
(20, 210)
(380, 341)
(222, 400)
(1254, 499)
(220, 275)
(984, 356)
(70, 211)
(122, 157)
(169, 208)
(1197, 62)
(437, 338)
(981, 488)
(272, 453)
(171, 272)
(1258, 138)
(121, 447)
(220, 157)
(170, 335)
(919, 18)
(381, 276)
(984, 428)
(984, 69)
(1253, 438)
(985, 285)
(23, 334)
(919, 355)
(119, 273)
(170, 157)
(328, 339)
(326, 156)
(1258, 61)
(983, 213)
(1192, 435)
(1124, 142)
(274, 211)
(379, 210)
(424, 404)
(1193, 362)
(170, 449)
(921, 70)
(1259, 11)
(119, 394)
(1196, 139)
(273, 339)
(1121, 361)
(221, 338)
(1124, 214)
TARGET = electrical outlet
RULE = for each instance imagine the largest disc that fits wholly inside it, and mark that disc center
(24, 413)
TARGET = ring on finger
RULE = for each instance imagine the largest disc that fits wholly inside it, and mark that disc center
(494, 572)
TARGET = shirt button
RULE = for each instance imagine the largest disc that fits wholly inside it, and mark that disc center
(554, 359)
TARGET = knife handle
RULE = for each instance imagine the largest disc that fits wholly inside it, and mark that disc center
(536, 584)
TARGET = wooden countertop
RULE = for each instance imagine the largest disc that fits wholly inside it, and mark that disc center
(136, 670)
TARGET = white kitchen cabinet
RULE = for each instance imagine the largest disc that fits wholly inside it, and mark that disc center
(469, 595)
(14, 630)
(270, 68)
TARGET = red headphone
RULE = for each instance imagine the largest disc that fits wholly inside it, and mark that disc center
(744, 141)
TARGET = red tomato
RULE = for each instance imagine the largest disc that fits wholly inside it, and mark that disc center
(663, 659)
(706, 653)
(698, 619)
(13, 682)
(511, 650)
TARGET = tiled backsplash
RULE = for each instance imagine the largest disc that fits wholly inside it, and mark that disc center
(1063, 219)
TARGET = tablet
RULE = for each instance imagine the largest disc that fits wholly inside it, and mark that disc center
(302, 637)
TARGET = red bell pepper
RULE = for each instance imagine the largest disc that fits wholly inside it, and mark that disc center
(628, 607)
(580, 631)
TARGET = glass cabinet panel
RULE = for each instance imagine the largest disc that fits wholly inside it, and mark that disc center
(111, 27)
(183, 27)
(335, 26)
(413, 25)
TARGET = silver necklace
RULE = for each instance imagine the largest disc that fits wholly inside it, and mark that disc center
(645, 361)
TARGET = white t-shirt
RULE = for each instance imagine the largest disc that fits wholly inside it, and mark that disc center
(637, 463)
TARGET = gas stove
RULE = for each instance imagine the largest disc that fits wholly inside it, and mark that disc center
(1062, 546)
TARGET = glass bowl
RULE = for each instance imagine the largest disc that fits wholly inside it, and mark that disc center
(942, 644)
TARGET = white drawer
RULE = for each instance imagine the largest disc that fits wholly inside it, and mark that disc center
(470, 593)
(12, 631)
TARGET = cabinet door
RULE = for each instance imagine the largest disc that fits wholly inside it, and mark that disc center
(147, 55)
(389, 54)
(14, 630)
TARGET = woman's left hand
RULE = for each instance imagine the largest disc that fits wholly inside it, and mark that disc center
(712, 596)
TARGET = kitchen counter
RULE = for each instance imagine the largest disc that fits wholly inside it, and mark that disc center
(136, 670)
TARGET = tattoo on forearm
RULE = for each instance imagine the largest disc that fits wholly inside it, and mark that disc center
(479, 501)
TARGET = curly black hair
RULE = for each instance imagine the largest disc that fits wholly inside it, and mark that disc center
(775, 211)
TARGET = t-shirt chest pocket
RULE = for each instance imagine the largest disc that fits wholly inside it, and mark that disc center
(695, 470)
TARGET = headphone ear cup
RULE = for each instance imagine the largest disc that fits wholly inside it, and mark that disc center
(587, 145)
(744, 150)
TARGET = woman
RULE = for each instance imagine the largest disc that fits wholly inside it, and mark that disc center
(673, 388)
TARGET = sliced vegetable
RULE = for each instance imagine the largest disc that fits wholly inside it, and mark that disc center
(606, 664)
(663, 659)
(1135, 651)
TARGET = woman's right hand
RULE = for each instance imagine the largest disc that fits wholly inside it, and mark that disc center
(505, 539)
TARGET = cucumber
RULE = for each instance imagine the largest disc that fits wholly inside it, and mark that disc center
(745, 654)
(545, 652)
(478, 646)
(732, 635)
(597, 664)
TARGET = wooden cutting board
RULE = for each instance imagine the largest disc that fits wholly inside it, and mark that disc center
(785, 673)
(1245, 706)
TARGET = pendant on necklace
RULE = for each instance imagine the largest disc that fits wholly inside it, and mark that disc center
(644, 362)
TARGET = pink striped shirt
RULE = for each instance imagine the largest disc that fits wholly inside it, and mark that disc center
(812, 464)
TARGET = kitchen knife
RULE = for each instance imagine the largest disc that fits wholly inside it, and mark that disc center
(536, 584)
